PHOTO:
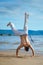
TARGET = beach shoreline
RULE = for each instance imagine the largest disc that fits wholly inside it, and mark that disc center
(9, 58)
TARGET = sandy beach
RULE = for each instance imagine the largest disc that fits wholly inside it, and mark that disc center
(9, 58)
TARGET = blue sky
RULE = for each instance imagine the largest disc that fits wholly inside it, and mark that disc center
(13, 10)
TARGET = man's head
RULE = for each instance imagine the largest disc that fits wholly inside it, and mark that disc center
(26, 48)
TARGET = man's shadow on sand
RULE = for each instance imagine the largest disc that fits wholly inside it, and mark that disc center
(14, 56)
(11, 56)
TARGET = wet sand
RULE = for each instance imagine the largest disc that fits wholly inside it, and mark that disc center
(9, 58)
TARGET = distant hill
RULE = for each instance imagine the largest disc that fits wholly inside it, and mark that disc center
(38, 32)
(30, 32)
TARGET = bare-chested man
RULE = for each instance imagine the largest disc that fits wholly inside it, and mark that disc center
(23, 36)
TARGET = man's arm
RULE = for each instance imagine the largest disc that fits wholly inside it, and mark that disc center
(32, 49)
(17, 50)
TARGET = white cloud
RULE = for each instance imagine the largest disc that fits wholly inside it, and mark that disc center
(8, 7)
(40, 17)
(37, 4)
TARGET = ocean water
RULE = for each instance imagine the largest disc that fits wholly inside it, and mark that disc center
(12, 42)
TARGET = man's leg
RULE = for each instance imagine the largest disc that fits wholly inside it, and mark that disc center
(26, 23)
(16, 32)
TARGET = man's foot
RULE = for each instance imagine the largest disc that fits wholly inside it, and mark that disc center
(8, 23)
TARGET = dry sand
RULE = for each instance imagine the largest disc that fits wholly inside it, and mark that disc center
(9, 58)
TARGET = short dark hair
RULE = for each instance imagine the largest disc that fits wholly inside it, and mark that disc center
(26, 48)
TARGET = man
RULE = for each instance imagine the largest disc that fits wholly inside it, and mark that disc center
(23, 36)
